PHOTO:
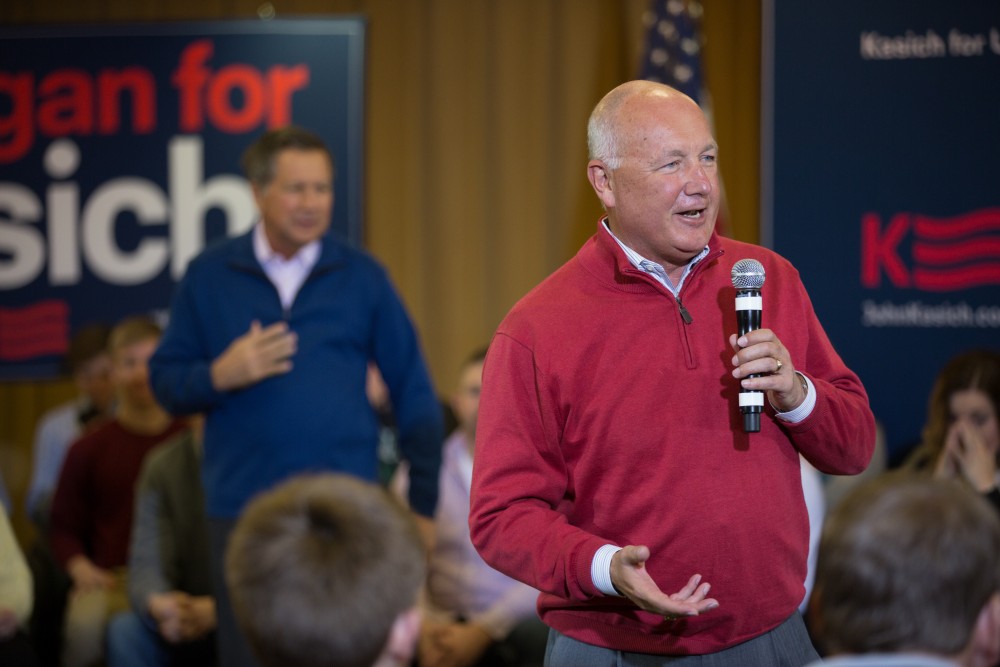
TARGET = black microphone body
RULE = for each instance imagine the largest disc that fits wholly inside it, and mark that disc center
(748, 278)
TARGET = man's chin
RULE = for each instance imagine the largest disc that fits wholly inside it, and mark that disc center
(304, 239)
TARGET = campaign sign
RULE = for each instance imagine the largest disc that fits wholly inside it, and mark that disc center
(881, 184)
(120, 152)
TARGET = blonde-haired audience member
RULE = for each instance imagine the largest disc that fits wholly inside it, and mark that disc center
(909, 575)
(92, 509)
(323, 571)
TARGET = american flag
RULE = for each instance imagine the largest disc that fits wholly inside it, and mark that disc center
(673, 56)
(673, 46)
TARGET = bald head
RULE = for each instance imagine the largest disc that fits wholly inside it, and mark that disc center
(606, 121)
(654, 168)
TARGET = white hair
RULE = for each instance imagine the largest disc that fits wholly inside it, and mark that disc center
(602, 139)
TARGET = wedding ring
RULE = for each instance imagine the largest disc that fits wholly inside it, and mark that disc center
(777, 363)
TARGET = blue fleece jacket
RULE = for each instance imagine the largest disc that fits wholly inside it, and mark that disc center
(317, 416)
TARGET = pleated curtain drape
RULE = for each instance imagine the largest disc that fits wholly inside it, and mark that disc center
(475, 184)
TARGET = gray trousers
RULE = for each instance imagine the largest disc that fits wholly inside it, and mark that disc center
(788, 645)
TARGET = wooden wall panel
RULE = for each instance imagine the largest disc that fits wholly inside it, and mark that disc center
(21, 404)
(475, 160)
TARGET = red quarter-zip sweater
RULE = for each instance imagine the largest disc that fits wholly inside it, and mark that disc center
(605, 418)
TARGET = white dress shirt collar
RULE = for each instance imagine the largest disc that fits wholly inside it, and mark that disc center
(652, 268)
(287, 275)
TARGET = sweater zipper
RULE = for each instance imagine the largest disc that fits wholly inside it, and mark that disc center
(684, 312)
(685, 315)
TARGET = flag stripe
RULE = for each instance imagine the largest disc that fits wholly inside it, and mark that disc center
(983, 221)
(954, 253)
(31, 349)
(946, 280)
(47, 331)
(27, 315)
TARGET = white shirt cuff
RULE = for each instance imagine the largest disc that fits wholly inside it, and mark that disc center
(600, 569)
(804, 410)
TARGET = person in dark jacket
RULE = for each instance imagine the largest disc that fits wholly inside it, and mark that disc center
(270, 336)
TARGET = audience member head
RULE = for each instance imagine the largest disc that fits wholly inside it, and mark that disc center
(89, 364)
(909, 564)
(291, 173)
(465, 400)
(130, 345)
(966, 394)
(653, 167)
(323, 570)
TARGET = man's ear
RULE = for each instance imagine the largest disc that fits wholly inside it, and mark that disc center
(600, 179)
(985, 644)
(403, 637)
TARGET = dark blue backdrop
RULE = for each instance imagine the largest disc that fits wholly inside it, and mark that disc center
(881, 183)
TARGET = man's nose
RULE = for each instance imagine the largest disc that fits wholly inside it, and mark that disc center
(313, 198)
(698, 181)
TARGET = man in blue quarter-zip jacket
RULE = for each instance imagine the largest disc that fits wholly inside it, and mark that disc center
(270, 336)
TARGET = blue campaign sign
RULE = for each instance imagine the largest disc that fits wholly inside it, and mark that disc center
(880, 183)
(120, 155)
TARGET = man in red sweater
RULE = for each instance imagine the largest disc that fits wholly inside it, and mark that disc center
(612, 472)
(92, 509)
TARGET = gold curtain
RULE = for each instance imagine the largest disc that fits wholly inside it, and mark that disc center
(476, 133)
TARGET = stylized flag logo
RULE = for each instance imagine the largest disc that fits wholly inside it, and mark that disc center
(946, 254)
(956, 253)
(33, 331)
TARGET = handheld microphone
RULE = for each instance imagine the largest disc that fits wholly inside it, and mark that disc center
(748, 278)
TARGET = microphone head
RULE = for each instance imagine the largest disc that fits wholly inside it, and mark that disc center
(748, 274)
